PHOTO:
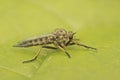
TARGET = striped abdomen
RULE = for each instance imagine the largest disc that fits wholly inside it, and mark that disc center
(36, 41)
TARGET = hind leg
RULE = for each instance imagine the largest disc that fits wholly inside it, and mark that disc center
(34, 58)
(37, 54)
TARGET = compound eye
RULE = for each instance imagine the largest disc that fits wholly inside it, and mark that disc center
(71, 34)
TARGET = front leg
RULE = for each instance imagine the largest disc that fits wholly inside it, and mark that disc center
(79, 44)
(70, 39)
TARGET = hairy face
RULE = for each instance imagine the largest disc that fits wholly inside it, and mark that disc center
(71, 34)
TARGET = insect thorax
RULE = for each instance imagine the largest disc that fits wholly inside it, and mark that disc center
(61, 36)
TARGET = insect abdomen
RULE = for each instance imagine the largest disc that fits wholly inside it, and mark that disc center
(36, 41)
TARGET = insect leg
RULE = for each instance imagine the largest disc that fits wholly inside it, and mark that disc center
(70, 39)
(83, 45)
(68, 42)
(49, 47)
(34, 58)
(86, 46)
(59, 46)
(62, 49)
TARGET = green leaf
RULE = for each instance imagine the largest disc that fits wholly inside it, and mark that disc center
(97, 24)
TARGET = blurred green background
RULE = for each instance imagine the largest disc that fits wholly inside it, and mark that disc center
(97, 23)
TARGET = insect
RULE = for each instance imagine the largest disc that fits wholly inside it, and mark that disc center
(60, 39)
